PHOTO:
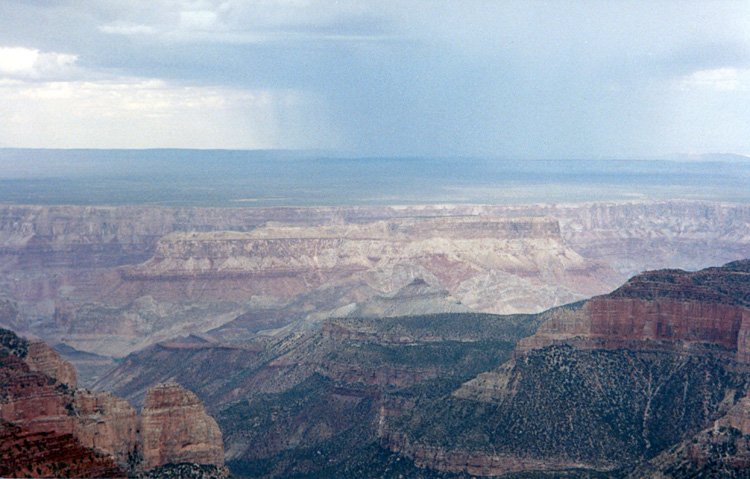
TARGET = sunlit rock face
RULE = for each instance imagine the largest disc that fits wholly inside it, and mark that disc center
(49, 428)
(175, 428)
(288, 261)
(709, 307)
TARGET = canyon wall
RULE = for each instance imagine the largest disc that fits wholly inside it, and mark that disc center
(288, 261)
(113, 280)
(195, 282)
(708, 307)
(175, 428)
(92, 434)
(613, 381)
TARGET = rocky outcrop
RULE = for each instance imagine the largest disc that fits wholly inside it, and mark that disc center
(38, 425)
(33, 399)
(175, 428)
(709, 307)
(40, 357)
(67, 431)
(107, 424)
(50, 454)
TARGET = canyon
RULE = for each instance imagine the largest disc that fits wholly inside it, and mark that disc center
(589, 386)
(437, 340)
(113, 280)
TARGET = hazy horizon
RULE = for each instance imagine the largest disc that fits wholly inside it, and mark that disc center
(236, 178)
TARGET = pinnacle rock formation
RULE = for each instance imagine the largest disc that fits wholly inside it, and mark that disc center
(49, 428)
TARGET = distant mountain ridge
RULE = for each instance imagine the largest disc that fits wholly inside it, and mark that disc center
(232, 178)
(716, 157)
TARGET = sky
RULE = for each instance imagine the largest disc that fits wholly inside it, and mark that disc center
(498, 79)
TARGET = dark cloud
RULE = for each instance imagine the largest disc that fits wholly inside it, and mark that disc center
(516, 79)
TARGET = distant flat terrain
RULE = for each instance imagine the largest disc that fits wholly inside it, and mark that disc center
(226, 178)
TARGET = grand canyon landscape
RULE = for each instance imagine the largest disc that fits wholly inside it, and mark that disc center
(359, 239)
(602, 339)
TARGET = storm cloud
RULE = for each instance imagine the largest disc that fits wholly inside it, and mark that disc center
(621, 79)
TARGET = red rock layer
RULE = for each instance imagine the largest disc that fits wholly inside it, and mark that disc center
(50, 454)
(711, 306)
(46, 360)
(38, 426)
(106, 423)
(33, 399)
(49, 429)
(176, 428)
(624, 320)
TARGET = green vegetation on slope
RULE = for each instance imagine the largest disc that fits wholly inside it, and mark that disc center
(603, 408)
(326, 425)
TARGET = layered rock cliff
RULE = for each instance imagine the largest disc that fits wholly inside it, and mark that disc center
(114, 280)
(195, 282)
(107, 424)
(709, 307)
(294, 258)
(175, 428)
(46, 360)
(603, 384)
(47, 427)
(50, 454)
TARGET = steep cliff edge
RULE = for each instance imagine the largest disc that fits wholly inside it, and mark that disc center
(710, 307)
(47, 427)
(529, 247)
(176, 428)
(46, 360)
(603, 384)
